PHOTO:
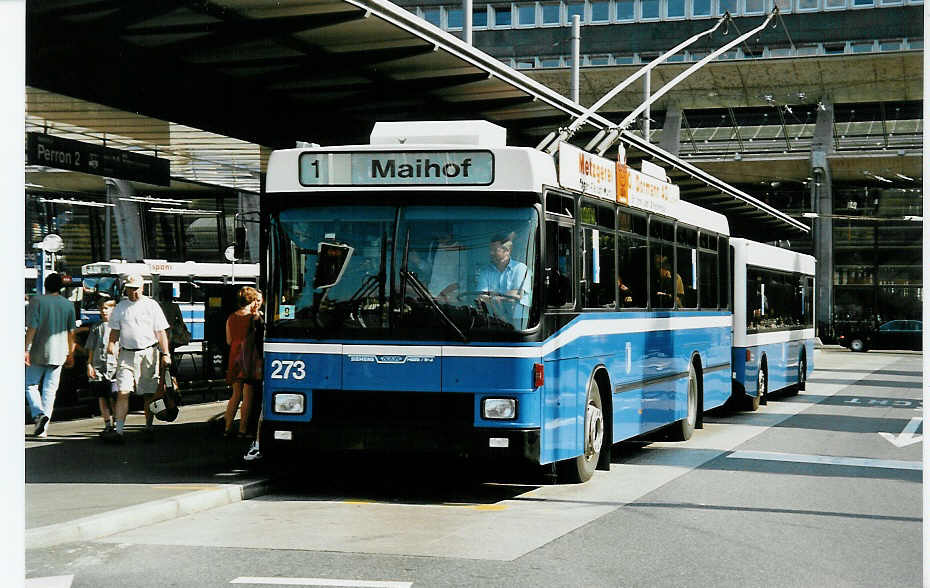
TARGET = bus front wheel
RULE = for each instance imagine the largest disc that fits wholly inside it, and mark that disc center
(581, 468)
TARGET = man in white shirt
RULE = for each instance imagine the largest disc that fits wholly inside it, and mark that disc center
(139, 325)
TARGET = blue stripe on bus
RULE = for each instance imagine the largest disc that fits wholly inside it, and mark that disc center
(558, 407)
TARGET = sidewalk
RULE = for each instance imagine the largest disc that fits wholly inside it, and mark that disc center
(79, 488)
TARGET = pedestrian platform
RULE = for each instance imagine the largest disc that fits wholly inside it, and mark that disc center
(80, 488)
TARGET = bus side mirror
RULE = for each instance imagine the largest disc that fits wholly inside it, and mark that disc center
(333, 258)
(239, 247)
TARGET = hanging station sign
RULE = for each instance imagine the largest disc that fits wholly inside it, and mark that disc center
(61, 153)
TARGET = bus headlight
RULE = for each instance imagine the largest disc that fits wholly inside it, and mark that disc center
(288, 403)
(499, 408)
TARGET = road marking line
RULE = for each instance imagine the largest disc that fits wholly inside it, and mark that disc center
(321, 582)
(50, 582)
(892, 464)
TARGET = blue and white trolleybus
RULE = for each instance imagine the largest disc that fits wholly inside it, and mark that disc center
(773, 320)
(440, 291)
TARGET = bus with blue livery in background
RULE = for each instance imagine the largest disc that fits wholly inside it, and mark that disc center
(773, 320)
(437, 291)
(180, 281)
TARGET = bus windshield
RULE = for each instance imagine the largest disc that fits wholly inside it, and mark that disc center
(416, 272)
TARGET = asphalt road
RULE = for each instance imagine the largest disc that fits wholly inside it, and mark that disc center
(819, 489)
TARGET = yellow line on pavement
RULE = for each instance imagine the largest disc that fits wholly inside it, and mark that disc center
(172, 487)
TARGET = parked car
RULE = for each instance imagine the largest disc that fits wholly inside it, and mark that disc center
(897, 334)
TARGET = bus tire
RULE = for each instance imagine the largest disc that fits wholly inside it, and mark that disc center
(762, 382)
(580, 469)
(858, 344)
(683, 429)
(802, 377)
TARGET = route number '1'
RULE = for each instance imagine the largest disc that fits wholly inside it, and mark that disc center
(285, 369)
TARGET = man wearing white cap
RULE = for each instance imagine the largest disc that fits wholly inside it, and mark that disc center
(139, 325)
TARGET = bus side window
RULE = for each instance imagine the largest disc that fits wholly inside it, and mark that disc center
(558, 278)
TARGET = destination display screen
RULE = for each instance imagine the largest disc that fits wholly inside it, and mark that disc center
(393, 168)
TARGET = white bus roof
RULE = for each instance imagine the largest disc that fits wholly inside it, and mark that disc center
(451, 156)
(769, 256)
(172, 269)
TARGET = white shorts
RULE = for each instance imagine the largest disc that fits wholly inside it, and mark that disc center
(137, 371)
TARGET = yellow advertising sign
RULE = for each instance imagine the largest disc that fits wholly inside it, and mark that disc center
(639, 190)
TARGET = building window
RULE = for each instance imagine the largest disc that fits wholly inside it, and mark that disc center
(479, 17)
(783, 5)
(454, 18)
(677, 58)
(808, 4)
(700, 7)
(573, 8)
(779, 52)
(889, 45)
(600, 11)
(834, 4)
(502, 16)
(550, 13)
(599, 60)
(526, 63)
(915, 43)
(625, 10)
(432, 15)
(730, 6)
(806, 50)
(526, 15)
(755, 6)
(675, 9)
(623, 59)
(650, 9)
(834, 48)
(863, 3)
(550, 62)
(863, 47)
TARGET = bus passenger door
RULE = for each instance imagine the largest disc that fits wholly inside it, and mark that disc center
(563, 387)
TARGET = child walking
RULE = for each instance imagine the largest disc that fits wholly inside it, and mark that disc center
(101, 367)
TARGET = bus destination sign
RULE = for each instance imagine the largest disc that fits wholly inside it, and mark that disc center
(61, 153)
(397, 168)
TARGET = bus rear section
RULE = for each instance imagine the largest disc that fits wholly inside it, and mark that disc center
(773, 321)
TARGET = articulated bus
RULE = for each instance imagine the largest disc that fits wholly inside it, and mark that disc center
(440, 292)
(773, 320)
(178, 281)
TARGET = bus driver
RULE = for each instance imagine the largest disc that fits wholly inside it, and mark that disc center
(507, 277)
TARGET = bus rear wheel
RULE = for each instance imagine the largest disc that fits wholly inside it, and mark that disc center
(683, 429)
(581, 468)
(802, 377)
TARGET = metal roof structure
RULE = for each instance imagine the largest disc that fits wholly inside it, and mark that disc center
(267, 73)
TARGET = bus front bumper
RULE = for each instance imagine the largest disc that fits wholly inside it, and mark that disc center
(279, 437)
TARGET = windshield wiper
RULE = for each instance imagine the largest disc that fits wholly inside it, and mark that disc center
(422, 291)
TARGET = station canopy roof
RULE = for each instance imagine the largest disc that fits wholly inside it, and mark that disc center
(268, 73)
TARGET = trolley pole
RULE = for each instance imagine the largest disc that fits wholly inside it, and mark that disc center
(576, 58)
(466, 21)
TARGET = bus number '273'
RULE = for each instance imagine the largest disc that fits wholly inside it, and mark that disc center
(283, 369)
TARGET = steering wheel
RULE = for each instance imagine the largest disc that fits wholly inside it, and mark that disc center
(476, 293)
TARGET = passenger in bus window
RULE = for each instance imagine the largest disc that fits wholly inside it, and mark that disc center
(626, 294)
(664, 284)
(505, 281)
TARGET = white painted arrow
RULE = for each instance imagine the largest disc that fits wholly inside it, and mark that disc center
(907, 436)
